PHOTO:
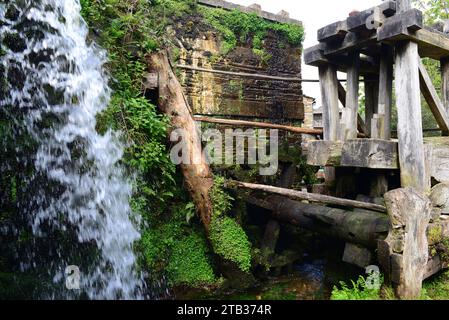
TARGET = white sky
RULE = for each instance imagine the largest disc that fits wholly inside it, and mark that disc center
(314, 14)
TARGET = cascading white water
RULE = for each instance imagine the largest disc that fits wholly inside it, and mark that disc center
(56, 80)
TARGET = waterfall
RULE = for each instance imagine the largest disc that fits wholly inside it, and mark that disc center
(55, 86)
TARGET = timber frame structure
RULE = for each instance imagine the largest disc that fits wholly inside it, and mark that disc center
(384, 46)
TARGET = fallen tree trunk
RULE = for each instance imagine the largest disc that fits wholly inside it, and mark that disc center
(196, 171)
(359, 226)
(312, 197)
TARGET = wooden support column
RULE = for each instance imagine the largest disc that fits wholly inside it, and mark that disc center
(445, 82)
(408, 100)
(385, 94)
(350, 112)
(371, 101)
(331, 113)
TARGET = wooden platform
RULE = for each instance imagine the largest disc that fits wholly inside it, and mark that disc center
(377, 154)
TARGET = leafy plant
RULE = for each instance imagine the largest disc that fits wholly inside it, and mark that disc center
(358, 290)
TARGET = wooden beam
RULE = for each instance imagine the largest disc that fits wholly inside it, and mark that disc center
(324, 153)
(370, 153)
(350, 112)
(433, 100)
(385, 99)
(299, 195)
(254, 124)
(247, 75)
(408, 100)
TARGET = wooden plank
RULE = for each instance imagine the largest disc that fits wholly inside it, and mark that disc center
(352, 41)
(433, 100)
(399, 26)
(350, 112)
(385, 92)
(299, 195)
(358, 22)
(324, 153)
(440, 157)
(370, 153)
(254, 124)
(408, 101)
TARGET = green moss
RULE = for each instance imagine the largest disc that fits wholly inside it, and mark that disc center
(230, 241)
(239, 27)
(189, 262)
(437, 288)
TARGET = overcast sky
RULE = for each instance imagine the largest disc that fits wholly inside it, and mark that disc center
(314, 14)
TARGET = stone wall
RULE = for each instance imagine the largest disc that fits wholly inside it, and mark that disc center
(229, 95)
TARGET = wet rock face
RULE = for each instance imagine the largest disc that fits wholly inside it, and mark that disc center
(219, 94)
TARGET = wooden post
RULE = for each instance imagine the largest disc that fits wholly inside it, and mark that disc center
(331, 112)
(329, 96)
(350, 112)
(371, 101)
(385, 92)
(408, 100)
(445, 82)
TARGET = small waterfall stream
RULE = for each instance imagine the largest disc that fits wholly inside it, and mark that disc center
(54, 88)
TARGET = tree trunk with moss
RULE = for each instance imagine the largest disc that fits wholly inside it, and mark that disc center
(197, 174)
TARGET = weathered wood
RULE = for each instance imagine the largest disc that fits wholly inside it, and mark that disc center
(324, 153)
(333, 32)
(358, 22)
(197, 174)
(329, 96)
(385, 99)
(360, 226)
(371, 101)
(439, 169)
(408, 101)
(409, 213)
(361, 127)
(270, 239)
(254, 124)
(433, 100)
(445, 83)
(370, 153)
(350, 112)
(399, 26)
(299, 195)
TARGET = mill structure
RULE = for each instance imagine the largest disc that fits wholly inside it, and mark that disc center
(381, 50)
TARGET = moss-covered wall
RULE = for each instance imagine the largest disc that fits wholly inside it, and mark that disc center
(220, 39)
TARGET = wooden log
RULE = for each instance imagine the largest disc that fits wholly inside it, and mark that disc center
(360, 226)
(269, 241)
(299, 195)
(408, 100)
(433, 100)
(333, 32)
(385, 92)
(197, 174)
(350, 112)
(409, 212)
(254, 124)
